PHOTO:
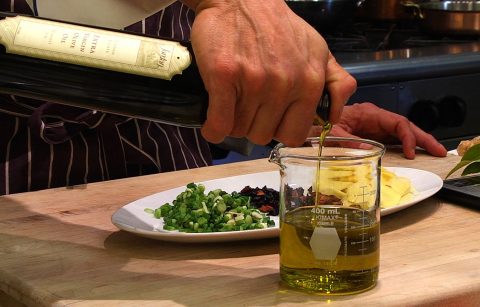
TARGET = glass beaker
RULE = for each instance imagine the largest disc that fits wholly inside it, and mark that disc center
(329, 241)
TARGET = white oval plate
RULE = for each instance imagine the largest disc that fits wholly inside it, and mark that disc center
(134, 219)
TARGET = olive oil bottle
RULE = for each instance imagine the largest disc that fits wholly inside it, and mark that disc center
(106, 70)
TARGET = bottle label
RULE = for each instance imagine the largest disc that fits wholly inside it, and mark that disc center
(93, 47)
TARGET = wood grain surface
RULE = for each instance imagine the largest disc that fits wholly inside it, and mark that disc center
(58, 247)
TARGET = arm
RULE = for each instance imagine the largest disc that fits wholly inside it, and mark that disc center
(366, 120)
(264, 69)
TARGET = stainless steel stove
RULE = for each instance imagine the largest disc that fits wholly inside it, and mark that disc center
(432, 80)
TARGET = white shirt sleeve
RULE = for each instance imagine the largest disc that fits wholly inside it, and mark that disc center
(115, 14)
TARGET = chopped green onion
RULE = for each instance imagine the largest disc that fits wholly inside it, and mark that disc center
(195, 211)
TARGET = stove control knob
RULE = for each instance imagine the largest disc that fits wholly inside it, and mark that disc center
(453, 111)
(424, 114)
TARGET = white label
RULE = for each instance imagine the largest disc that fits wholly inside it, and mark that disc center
(98, 48)
(77, 42)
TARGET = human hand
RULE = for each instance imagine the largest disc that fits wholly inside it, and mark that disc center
(366, 120)
(264, 69)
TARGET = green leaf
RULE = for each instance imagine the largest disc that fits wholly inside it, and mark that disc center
(471, 156)
(472, 168)
(457, 167)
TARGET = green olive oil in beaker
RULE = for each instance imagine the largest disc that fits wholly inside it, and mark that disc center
(352, 236)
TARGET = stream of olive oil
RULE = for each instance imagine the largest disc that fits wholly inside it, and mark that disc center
(327, 126)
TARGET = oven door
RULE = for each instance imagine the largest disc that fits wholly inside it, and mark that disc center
(446, 107)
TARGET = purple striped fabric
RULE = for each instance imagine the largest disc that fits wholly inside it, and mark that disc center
(45, 145)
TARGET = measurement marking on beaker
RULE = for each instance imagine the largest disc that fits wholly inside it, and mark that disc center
(365, 191)
(360, 242)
